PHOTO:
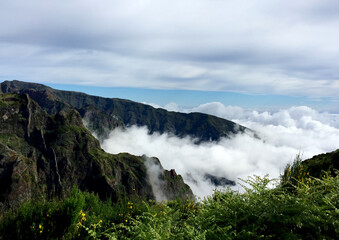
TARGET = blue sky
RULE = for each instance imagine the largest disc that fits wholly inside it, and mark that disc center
(263, 54)
(190, 98)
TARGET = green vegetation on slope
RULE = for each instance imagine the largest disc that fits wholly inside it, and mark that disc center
(311, 211)
(43, 156)
(105, 114)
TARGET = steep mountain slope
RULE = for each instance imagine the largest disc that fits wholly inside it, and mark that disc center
(43, 156)
(104, 114)
(320, 166)
(323, 162)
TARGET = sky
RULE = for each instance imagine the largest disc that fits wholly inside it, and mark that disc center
(260, 54)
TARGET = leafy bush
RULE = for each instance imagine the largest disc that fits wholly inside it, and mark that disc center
(261, 212)
(296, 208)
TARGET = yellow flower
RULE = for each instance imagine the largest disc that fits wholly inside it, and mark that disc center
(40, 226)
(100, 221)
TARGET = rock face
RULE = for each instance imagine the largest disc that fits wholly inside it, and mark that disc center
(165, 184)
(115, 112)
(219, 181)
(44, 156)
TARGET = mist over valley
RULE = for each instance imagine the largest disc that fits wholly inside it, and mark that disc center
(282, 136)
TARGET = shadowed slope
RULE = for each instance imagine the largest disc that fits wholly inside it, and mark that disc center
(104, 114)
(43, 156)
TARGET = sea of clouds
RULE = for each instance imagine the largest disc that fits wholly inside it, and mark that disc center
(283, 135)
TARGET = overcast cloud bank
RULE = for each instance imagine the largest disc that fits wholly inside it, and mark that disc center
(303, 128)
(284, 134)
(265, 47)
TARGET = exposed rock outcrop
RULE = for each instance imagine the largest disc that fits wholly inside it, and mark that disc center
(166, 184)
(44, 156)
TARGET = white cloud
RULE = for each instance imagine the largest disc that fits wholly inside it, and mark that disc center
(284, 134)
(300, 127)
(294, 116)
(247, 46)
(238, 157)
(154, 172)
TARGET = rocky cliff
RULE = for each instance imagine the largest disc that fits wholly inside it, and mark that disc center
(44, 155)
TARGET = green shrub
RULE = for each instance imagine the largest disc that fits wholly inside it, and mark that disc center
(44, 220)
(261, 212)
(296, 208)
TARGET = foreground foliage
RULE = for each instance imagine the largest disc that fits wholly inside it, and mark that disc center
(298, 207)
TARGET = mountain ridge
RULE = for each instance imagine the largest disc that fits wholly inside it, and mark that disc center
(115, 112)
(44, 156)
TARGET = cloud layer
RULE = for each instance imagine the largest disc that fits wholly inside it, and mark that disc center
(245, 46)
(284, 134)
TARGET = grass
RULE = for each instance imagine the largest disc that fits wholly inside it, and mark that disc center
(299, 207)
